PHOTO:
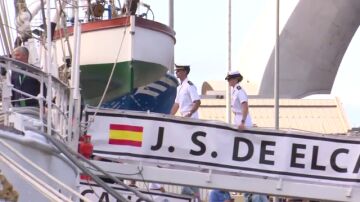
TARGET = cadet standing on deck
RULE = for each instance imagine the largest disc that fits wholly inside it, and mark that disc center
(239, 101)
(187, 99)
(240, 107)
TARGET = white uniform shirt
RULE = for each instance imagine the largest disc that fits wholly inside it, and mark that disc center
(239, 96)
(186, 95)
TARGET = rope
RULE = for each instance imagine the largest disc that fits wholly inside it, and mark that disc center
(108, 82)
(7, 192)
(69, 152)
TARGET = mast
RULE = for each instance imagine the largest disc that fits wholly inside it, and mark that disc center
(48, 66)
(74, 103)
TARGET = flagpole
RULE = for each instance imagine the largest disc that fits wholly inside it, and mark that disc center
(277, 67)
(276, 78)
(228, 104)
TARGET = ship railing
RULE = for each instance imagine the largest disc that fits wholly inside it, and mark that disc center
(59, 98)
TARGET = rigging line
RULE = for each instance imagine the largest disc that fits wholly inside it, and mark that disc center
(11, 35)
(68, 152)
(62, 19)
(119, 4)
(136, 192)
(3, 31)
(43, 19)
(152, 13)
(140, 169)
(14, 29)
(3, 40)
(66, 35)
(4, 44)
(42, 170)
(41, 186)
(110, 77)
(67, 2)
(59, 110)
(91, 187)
(5, 16)
(21, 32)
(61, 137)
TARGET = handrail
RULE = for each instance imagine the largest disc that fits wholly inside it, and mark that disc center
(30, 68)
(60, 90)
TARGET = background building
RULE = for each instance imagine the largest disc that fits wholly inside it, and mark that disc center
(313, 115)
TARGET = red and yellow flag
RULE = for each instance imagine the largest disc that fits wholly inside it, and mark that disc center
(125, 135)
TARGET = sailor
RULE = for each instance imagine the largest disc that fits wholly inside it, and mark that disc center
(239, 100)
(240, 108)
(187, 99)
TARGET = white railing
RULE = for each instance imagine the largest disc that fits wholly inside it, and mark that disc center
(60, 98)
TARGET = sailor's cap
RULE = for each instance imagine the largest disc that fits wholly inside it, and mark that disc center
(234, 74)
(154, 186)
(183, 67)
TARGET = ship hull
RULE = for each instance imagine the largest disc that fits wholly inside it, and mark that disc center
(126, 76)
(141, 49)
(158, 97)
(27, 181)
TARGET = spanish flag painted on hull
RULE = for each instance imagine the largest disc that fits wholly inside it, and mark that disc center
(125, 135)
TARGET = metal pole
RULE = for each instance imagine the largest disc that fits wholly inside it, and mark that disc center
(228, 104)
(277, 67)
(171, 25)
(49, 68)
(171, 14)
(76, 84)
(3, 34)
(74, 99)
(6, 17)
(276, 74)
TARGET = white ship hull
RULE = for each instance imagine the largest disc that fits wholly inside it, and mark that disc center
(28, 181)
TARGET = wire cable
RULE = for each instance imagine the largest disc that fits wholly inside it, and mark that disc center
(70, 154)
(109, 80)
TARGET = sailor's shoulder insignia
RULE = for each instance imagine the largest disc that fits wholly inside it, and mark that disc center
(238, 87)
(190, 83)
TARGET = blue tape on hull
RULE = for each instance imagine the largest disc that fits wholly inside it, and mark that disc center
(155, 97)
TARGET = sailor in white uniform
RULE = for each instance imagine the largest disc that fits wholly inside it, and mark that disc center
(187, 99)
(240, 108)
(239, 101)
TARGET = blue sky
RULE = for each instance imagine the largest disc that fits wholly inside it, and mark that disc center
(201, 28)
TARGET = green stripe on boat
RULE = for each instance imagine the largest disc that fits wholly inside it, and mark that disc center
(127, 76)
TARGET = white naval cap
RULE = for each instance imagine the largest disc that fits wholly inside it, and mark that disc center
(183, 67)
(234, 74)
(154, 186)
